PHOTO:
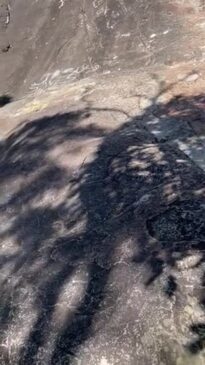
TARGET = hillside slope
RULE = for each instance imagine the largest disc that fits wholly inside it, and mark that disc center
(43, 42)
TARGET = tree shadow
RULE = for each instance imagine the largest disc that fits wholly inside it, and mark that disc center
(5, 99)
(62, 220)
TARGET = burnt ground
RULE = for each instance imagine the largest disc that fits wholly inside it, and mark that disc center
(102, 224)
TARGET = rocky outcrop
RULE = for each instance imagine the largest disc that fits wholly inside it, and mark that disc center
(57, 41)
